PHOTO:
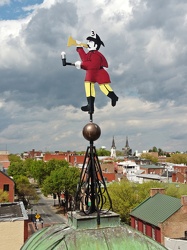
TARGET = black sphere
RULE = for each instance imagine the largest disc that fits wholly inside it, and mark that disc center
(91, 131)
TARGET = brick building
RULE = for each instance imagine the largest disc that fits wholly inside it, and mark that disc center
(179, 174)
(13, 225)
(160, 216)
(70, 157)
(4, 161)
(152, 169)
(7, 184)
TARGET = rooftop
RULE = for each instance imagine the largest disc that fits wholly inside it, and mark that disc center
(151, 212)
(12, 211)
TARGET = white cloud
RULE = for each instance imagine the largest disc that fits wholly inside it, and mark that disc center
(159, 50)
(4, 2)
(145, 45)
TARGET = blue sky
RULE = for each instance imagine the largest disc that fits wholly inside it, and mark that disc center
(146, 49)
(16, 9)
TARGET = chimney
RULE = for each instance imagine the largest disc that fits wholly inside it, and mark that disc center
(154, 191)
(184, 200)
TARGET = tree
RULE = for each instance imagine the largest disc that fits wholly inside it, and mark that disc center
(127, 195)
(124, 198)
(103, 152)
(38, 171)
(62, 180)
(160, 152)
(14, 158)
(26, 192)
(149, 157)
(178, 158)
(4, 196)
(41, 170)
(154, 149)
(17, 168)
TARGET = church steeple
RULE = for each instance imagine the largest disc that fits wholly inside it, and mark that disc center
(127, 149)
(113, 149)
(127, 142)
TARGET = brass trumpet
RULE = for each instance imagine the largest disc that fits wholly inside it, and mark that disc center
(72, 42)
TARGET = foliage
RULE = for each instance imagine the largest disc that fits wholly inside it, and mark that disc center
(119, 153)
(26, 192)
(176, 189)
(39, 170)
(14, 158)
(159, 150)
(17, 168)
(149, 157)
(127, 195)
(103, 152)
(60, 180)
(124, 198)
(4, 196)
(154, 149)
(178, 158)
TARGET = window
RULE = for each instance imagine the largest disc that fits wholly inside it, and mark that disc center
(6, 187)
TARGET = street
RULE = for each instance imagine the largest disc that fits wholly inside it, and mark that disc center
(46, 212)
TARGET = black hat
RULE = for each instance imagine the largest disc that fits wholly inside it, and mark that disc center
(94, 37)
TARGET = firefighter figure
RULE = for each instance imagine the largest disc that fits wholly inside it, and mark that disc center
(94, 63)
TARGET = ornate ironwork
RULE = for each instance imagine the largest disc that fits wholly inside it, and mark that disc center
(92, 191)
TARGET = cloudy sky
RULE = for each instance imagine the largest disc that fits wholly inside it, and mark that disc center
(146, 48)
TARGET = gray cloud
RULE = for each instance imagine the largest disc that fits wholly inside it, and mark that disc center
(146, 50)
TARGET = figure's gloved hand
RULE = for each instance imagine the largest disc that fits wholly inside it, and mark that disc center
(79, 44)
(78, 64)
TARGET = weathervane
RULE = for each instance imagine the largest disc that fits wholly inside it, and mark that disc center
(92, 192)
(94, 63)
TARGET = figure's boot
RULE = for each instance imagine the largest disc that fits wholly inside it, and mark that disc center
(113, 98)
(90, 106)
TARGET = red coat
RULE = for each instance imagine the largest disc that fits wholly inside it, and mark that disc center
(93, 62)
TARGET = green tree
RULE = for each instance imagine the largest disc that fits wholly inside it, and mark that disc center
(38, 171)
(25, 190)
(126, 195)
(178, 158)
(149, 157)
(154, 149)
(4, 197)
(41, 170)
(14, 158)
(17, 168)
(103, 152)
(119, 153)
(61, 180)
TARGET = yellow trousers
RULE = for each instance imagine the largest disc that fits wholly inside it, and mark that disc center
(90, 88)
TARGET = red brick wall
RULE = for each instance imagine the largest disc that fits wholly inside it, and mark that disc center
(73, 159)
(178, 177)
(26, 234)
(4, 179)
(76, 159)
(175, 225)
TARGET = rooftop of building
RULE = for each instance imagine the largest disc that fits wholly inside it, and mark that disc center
(12, 211)
(150, 212)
